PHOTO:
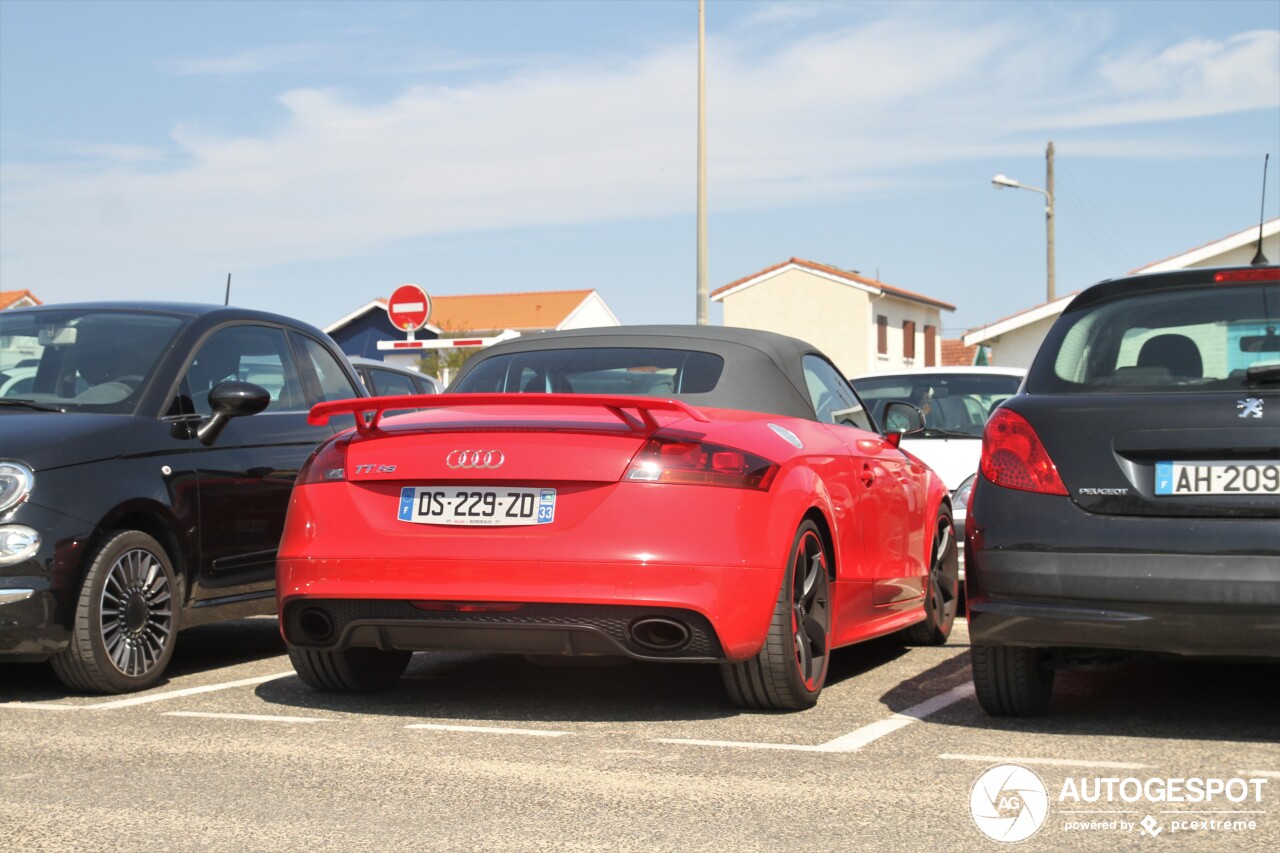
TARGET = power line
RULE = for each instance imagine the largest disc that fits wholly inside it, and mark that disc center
(1099, 233)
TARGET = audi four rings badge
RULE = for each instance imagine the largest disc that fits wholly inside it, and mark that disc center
(474, 459)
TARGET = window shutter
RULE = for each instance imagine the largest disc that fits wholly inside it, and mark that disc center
(882, 334)
(908, 338)
(930, 345)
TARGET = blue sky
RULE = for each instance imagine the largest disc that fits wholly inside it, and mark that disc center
(325, 152)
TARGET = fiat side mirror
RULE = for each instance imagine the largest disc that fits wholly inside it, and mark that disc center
(231, 400)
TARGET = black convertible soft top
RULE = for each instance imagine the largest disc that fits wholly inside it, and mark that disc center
(763, 371)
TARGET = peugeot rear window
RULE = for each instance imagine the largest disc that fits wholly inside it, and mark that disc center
(596, 370)
(1209, 338)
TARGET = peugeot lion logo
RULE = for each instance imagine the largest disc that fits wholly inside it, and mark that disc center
(475, 459)
(1250, 407)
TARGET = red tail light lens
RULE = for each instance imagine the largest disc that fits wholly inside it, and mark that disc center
(1013, 457)
(1247, 276)
(694, 462)
(328, 464)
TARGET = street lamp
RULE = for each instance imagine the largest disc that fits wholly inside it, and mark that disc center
(1001, 181)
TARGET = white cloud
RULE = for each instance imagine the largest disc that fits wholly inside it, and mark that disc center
(791, 121)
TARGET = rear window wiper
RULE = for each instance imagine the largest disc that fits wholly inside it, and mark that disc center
(30, 404)
(1261, 374)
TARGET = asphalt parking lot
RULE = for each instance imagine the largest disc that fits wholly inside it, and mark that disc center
(486, 752)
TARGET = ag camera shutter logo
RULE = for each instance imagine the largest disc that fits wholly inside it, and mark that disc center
(1009, 803)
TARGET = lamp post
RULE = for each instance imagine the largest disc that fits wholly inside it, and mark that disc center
(1000, 182)
(702, 304)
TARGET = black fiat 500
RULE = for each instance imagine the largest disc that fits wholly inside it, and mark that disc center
(1129, 496)
(147, 454)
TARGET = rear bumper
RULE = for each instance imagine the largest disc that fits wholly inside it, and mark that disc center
(552, 629)
(1193, 631)
(562, 607)
(1043, 573)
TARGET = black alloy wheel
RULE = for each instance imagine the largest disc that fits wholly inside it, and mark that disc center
(790, 670)
(126, 619)
(942, 591)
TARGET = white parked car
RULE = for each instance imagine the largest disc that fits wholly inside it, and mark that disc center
(389, 380)
(955, 402)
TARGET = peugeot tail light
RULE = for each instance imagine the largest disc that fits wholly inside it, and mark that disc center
(1013, 457)
(666, 459)
(327, 464)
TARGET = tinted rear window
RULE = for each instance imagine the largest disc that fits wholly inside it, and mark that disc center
(596, 370)
(1204, 338)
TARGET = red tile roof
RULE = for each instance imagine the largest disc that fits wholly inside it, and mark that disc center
(845, 274)
(545, 309)
(956, 354)
(9, 297)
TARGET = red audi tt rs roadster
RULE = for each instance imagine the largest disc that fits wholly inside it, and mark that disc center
(665, 493)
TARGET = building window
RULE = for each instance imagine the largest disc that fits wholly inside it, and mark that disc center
(908, 338)
(882, 334)
(930, 345)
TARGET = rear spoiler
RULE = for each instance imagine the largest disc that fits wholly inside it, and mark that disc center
(618, 404)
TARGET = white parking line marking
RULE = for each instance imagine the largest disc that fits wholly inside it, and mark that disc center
(1059, 762)
(491, 730)
(256, 718)
(146, 700)
(856, 739)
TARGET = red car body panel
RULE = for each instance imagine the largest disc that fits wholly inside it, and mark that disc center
(718, 551)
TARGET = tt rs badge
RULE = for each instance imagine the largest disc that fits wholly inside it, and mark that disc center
(1250, 407)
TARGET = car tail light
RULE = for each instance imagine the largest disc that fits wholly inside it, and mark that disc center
(665, 459)
(328, 464)
(1247, 276)
(1013, 457)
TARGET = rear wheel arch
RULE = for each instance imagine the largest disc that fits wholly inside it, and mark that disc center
(819, 519)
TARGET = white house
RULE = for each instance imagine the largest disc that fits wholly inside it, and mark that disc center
(1014, 340)
(863, 325)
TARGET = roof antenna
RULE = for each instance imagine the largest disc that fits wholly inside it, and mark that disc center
(1260, 260)
(226, 300)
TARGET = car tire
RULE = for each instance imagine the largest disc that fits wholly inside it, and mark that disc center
(1011, 681)
(126, 618)
(354, 670)
(790, 669)
(942, 591)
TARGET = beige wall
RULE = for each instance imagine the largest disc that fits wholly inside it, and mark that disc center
(1018, 348)
(833, 317)
(837, 318)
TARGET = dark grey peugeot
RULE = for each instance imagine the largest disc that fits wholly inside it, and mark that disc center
(1129, 497)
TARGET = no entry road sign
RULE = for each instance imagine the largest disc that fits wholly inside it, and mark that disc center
(409, 307)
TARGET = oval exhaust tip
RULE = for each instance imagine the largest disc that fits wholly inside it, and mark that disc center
(660, 633)
(316, 624)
